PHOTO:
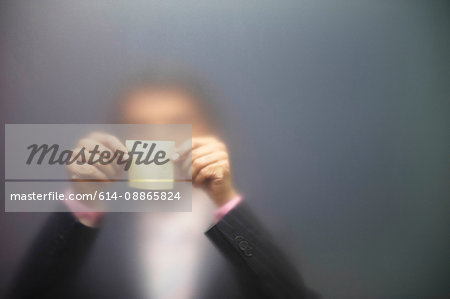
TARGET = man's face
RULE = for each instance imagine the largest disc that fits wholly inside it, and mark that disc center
(164, 106)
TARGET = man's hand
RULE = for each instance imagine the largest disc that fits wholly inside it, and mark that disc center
(82, 175)
(210, 167)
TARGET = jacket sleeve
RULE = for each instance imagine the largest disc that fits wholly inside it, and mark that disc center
(53, 258)
(260, 265)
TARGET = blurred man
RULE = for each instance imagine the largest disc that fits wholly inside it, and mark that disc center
(169, 252)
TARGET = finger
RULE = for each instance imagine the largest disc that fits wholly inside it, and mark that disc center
(185, 166)
(188, 145)
(202, 145)
(111, 142)
(204, 161)
(86, 171)
(200, 141)
(185, 162)
(212, 171)
(182, 151)
(207, 150)
(89, 144)
(108, 168)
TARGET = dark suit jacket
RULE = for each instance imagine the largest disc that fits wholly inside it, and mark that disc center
(60, 264)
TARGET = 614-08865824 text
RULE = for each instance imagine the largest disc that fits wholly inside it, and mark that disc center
(102, 196)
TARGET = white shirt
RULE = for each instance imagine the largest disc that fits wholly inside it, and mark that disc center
(170, 249)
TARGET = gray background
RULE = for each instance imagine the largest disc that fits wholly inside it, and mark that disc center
(338, 113)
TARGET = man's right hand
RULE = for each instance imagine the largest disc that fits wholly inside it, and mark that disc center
(87, 178)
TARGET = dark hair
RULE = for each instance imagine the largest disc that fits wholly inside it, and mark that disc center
(170, 77)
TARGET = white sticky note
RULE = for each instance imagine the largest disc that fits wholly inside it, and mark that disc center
(150, 176)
